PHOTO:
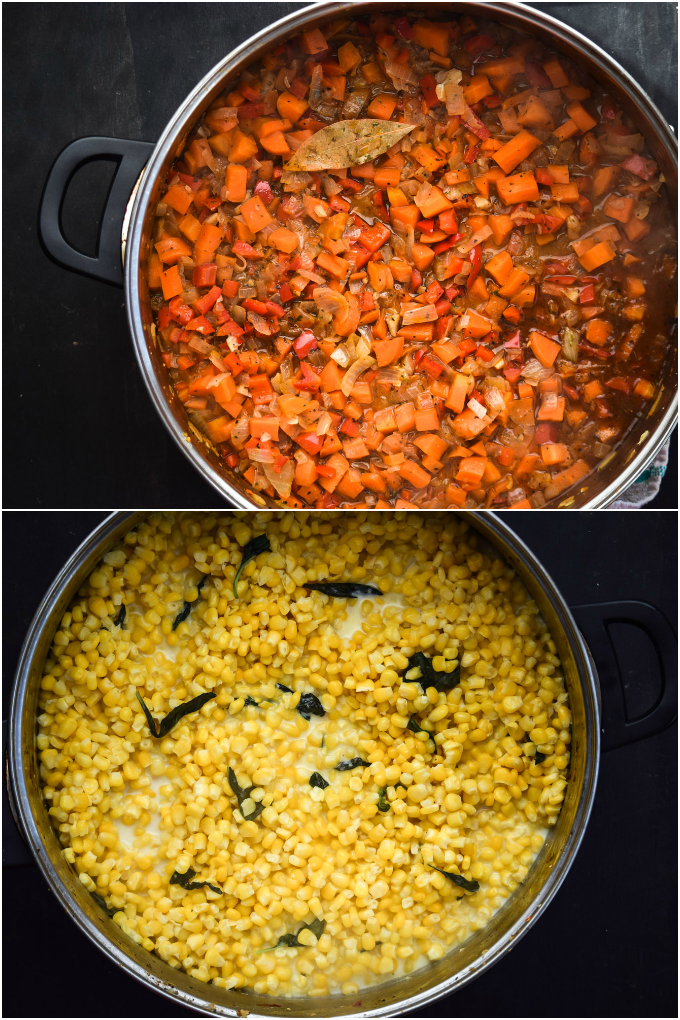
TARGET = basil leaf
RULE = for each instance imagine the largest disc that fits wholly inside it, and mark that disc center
(174, 716)
(431, 677)
(243, 795)
(250, 551)
(120, 618)
(459, 880)
(316, 779)
(110, 911)
(251, 701)
(539, 757)
(414, 726)
(188, 606)
(186, 882)
(383, 803)
(291, 941)
(343, 589)
(353, 763)
(308, 704)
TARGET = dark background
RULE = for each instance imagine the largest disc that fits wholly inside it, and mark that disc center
(79, 425)
(606, 947)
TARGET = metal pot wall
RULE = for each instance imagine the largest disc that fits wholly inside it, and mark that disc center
(596, 725)
(136, 190)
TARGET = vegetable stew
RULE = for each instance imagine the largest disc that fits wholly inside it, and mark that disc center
(405, 263)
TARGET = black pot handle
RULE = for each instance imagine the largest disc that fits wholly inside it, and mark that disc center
(593, 621)
(132, 156)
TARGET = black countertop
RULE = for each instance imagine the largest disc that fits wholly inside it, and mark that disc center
(79, 423)
(606, 946)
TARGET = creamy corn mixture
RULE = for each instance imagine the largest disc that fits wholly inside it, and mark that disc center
(464, 793)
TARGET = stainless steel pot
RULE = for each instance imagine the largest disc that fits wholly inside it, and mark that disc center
(592, 730)
(614, 474)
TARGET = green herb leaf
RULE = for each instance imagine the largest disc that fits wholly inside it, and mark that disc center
(251, 701)
(110, 911)
(188, 606)
(250, 551)
(353, 763)
(383, 803)
(343, 589)
(308, 704)
(459, 880)
(415, 727)
(186, 882)
(243, 795)
(316, 779)
(539, 757)
(429, 676)
(120, 618)
(174, 716)
(291, 941)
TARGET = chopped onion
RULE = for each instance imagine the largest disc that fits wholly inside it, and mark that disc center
(354, 103)
(328, 300)
(323, 424)
(261, 456)
(493, 398)
(400, 75)
(534, 372)
(240, 432)
(363, 347)
(570, 340)
(197, 343)
(356, 286)
(259, 324)
(477, 238)
(341, 356)
(330, 186)
(476, 408)
(309, 275)
(391, 376)
(353, 373)
(295, 180)
(423, 313)
(516, 495)
(450, 92)
(281, 480)
(216, 379)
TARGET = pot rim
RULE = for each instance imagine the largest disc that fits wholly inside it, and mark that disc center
(492, 528)
(653, 439)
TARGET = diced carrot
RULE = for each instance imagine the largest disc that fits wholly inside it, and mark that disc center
(414, 474)
(598, 331)
(242, 148)
(236, 182)
(276, 144)
(491, 473)
(592, 389)
(565, 130)
(457, 393)
(349, 57)
(405, 416)
(644, 388)
(620, 209)
(374, 481)
(427, 157)
(522, 504)
(171, 283)
(551, 412)
(355, 449)
(553, 453)
(604, 179)
(535, 114)
(467, 425)
(380, 276)
(351, 484)
(526, 465)
(495, 306)
(432, 36)
(422, 256)
(500, 227)
(388, 351)
(178, 198)
(581, 118)
(565, 192)
(291, 107)
(371, 73)
(633, 287)
(340, 466)
(427, 420)
(265, 426)
(283, 239)
(221, 142)
(478, 88)
(347, 319)
(470, 471)
(220, 428)
(291, 406)
(384, 420)
(406, 214)
(520, 187)
(517, 149)
(434, 203)
(208, 240)
(154, 271)
(545, 349)
(305, 472)
(313, 41)
(514, 283)
(433, 446)
(570, 475)
(382, 107)
(556, 73)
(597, 256)
(636, 229)
(500, 266)
(387, 177)
(171, 249)
(255, 214)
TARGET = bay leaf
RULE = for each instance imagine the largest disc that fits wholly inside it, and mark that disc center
(347, 143)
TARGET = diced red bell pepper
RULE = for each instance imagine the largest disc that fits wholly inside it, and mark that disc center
(205, 303)
(252, 305)
(608, 110)
(230, 288)
(374, 237)
(201, 325)
(263, 189)
(471, 154)
(448, 221)
(310, 380)
(164, 317)
(233, 363)
(512, 372)
(432, 367)
(466, 346)
(305, 343)
(442, 307)
(416, 279)
(491, 102)
(441, 326)
(426, 225)
(246, 250)
(274, 309)
(475, 257)
(571, 391)
(212, 203)
(428, 87)
(349, 184)
(204, 275)
(261, 391)
(185, 361)
(479, 44)
(403, 27)
(445, 245)
(231, 459)
(193, 182)
(179, 311)
(434, 292)
(349, 427)
(310, 442)
(452, 292)
(587, 295)
(247, 111)
(484, 353)
(357, 256)
(619, 383)
(545, 433)
(338, 204)
(325, 471)
(285, 293)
